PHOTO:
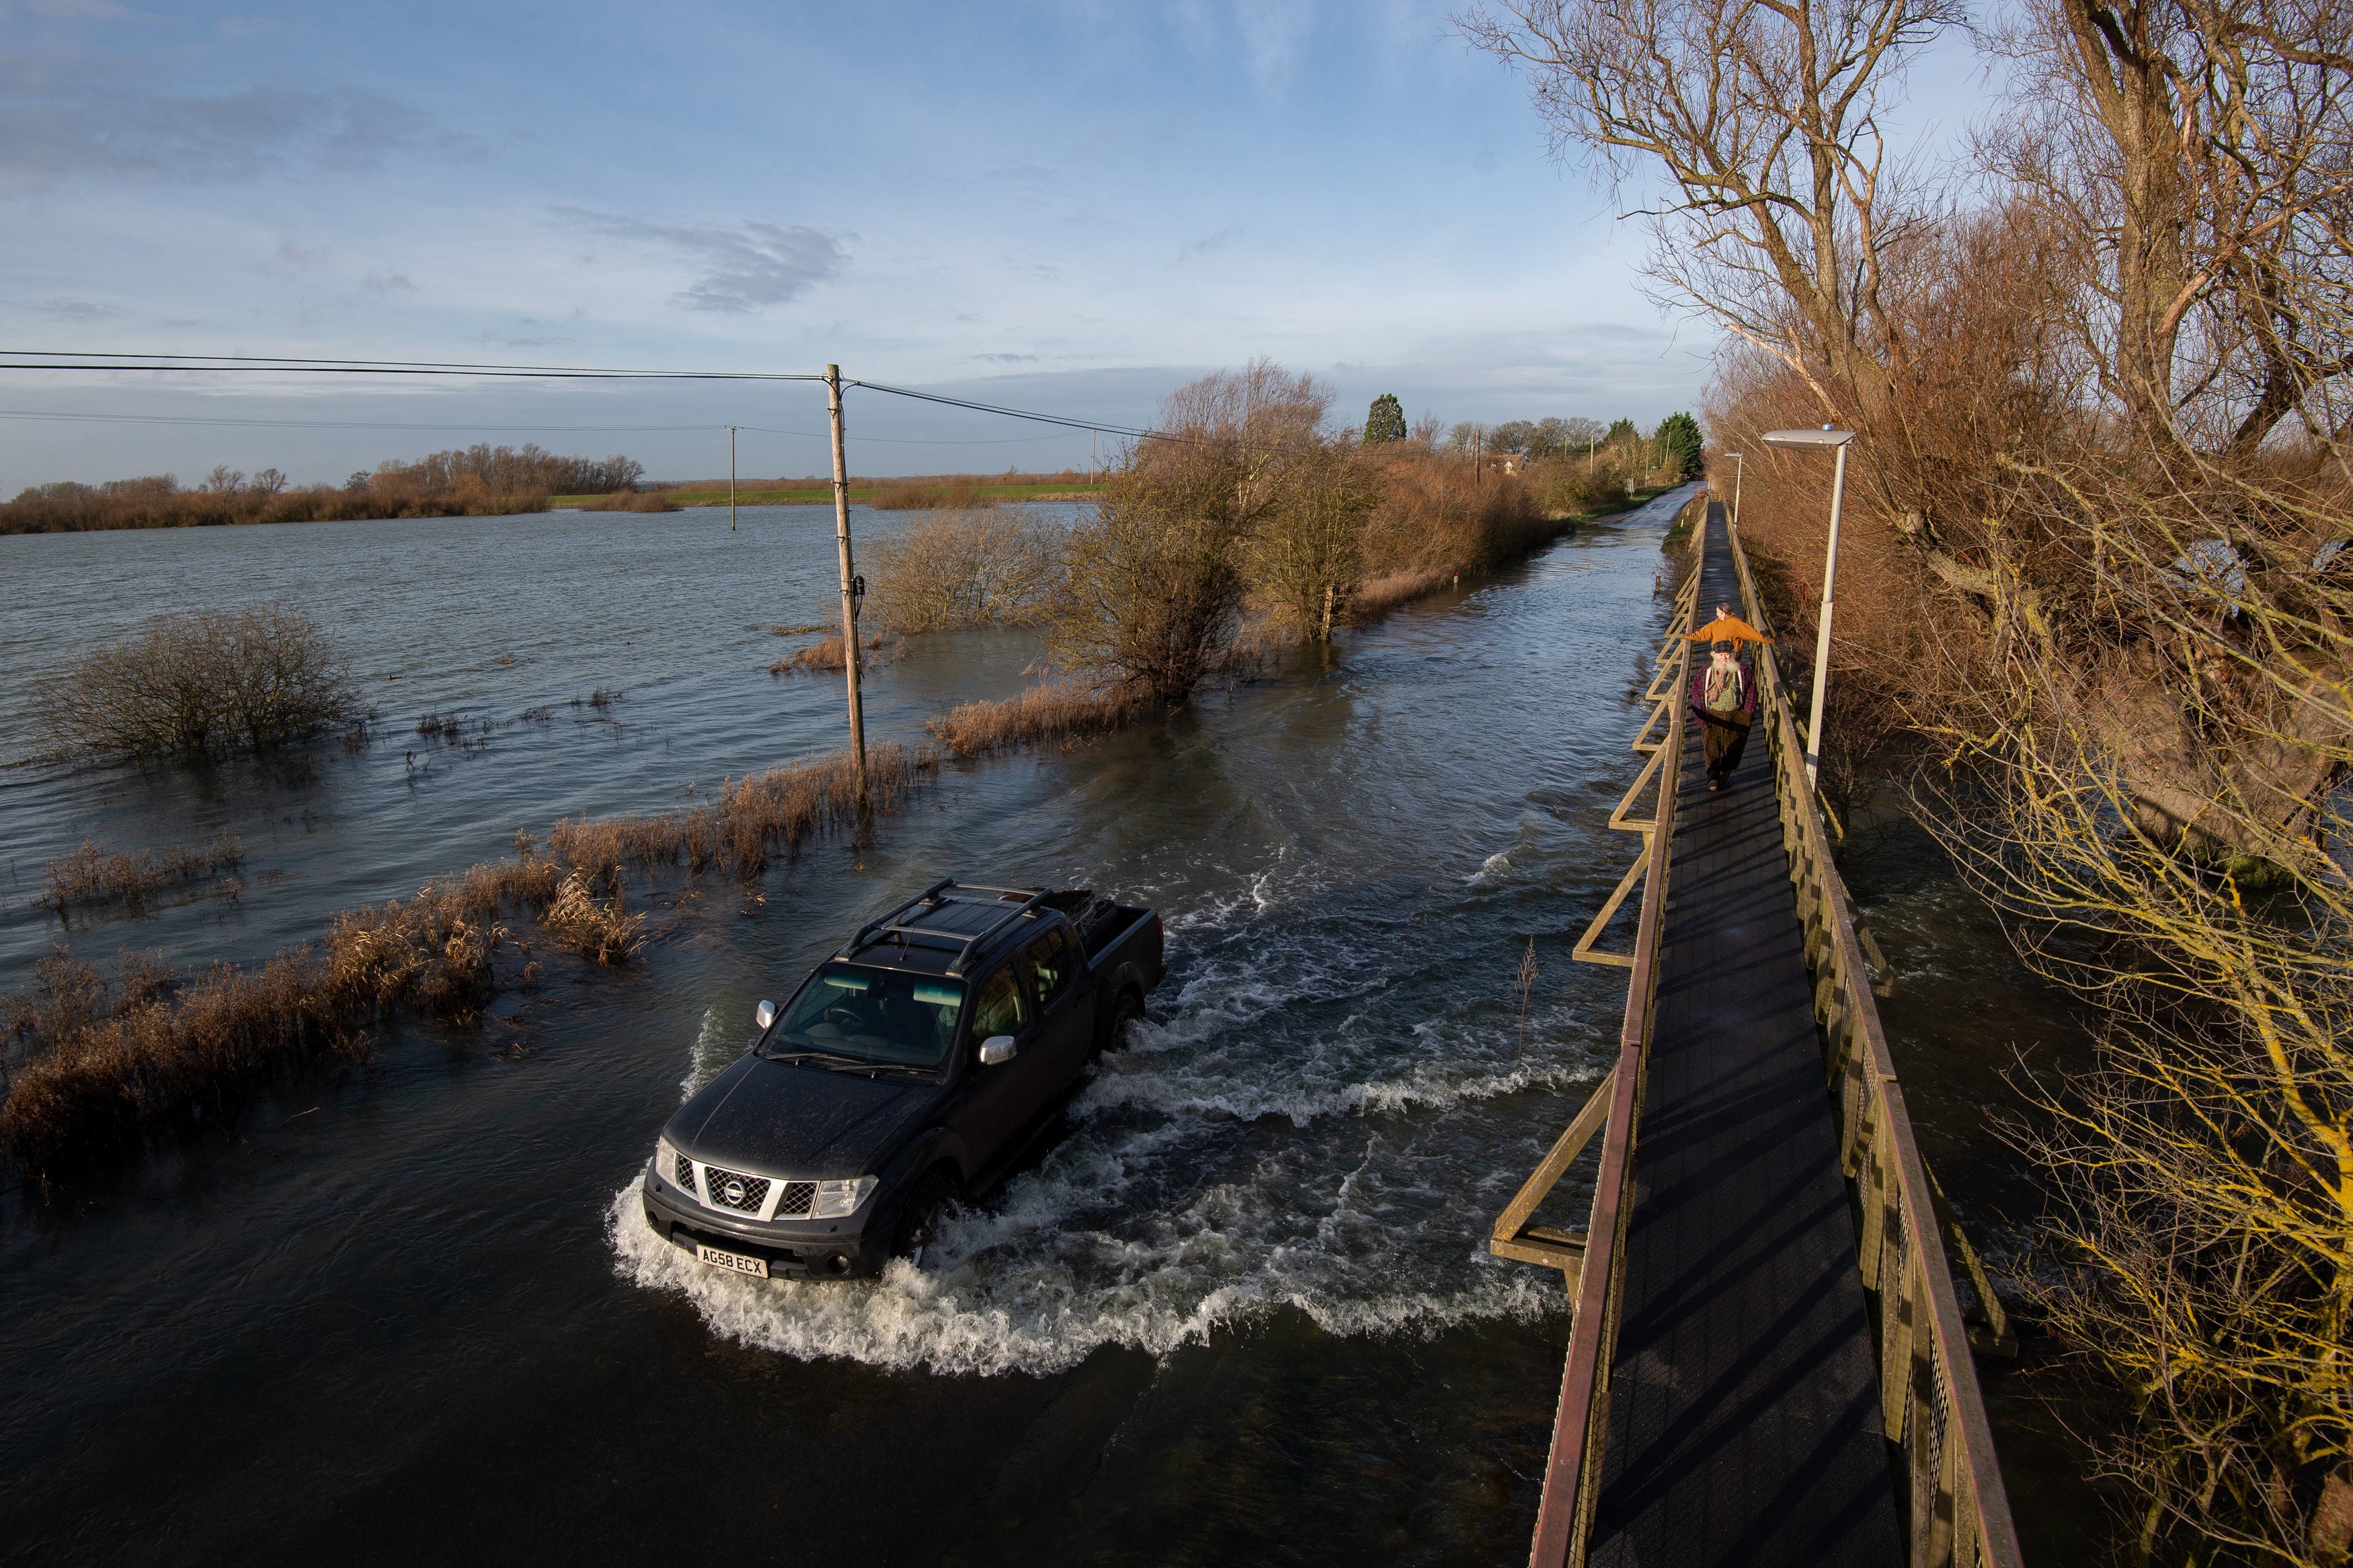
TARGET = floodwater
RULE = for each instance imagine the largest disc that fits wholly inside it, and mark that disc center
(1240, 1311)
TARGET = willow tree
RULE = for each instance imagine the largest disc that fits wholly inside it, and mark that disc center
(1154, 582)
(1307, 552)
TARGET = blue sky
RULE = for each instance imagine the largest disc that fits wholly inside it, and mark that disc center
(1071, 206)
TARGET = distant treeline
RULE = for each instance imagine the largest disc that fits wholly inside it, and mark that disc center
(473, 481)
(1581, 437)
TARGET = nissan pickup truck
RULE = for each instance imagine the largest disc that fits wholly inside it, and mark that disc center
(908, 1074)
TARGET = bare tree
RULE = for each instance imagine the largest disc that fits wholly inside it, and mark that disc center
(2203, 151)
(1757, 123)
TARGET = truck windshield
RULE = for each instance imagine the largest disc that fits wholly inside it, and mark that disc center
(876, 1016)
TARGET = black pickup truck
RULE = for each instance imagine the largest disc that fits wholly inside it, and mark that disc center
(909, 1072)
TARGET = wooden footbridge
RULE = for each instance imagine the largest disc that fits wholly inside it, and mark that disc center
(1769, 1362)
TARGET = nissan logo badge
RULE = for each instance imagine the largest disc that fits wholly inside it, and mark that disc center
(734, 1191)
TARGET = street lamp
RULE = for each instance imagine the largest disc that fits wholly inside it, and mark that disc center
(1738, 467)
(1836, 440)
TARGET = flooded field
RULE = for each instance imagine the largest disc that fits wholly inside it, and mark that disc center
(1241, 1310)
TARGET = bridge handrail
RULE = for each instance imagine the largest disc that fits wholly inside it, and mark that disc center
(1572, 1470)
(1928, 1383)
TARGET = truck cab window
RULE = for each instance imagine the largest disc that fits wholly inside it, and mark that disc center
(876, 1015)
(1047, 962)
(1000, 1008)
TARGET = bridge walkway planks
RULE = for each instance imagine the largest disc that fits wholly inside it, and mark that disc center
(1744, 1424)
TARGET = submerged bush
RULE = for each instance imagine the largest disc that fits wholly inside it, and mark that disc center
(965, 567)
(213, 682)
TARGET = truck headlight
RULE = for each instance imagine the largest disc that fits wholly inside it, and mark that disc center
(837, 1199)
(666, 1163)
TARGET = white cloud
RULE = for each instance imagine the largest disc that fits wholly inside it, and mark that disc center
(63, 118)
(744, 266)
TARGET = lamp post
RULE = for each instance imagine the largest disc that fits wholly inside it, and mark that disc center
(1739, 460)
(1836, 440)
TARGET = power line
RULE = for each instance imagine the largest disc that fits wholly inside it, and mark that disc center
(252, 364)
(388, 366)
(331, 424)
(53, 414)
(1132, 431)
(517, 373)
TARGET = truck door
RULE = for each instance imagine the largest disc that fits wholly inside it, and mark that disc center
(1066, 1022)
(999, 1102)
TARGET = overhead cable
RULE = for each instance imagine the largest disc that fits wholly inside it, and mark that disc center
(101, 359)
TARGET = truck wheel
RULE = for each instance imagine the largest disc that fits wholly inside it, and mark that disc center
(930, 1203)
(1127, 1010)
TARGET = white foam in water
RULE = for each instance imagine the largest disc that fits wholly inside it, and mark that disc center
(1292, 1136)
(1490, 872)
(712, 1050)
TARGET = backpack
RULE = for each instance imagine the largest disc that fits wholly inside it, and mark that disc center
(1725, 689)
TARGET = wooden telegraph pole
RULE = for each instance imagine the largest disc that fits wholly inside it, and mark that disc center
(731, 478)
(848, 579)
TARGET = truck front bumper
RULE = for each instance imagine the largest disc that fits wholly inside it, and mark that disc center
(805, 1249)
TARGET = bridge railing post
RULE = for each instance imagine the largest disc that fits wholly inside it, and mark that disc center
(1573, 1468)
(1932, 1407)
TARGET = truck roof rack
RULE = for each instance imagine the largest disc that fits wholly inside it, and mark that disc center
(895, 924)
(1031, 902)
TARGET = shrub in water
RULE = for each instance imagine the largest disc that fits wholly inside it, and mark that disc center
(212, 682)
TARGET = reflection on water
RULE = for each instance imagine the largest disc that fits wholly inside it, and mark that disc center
(1245, 1291)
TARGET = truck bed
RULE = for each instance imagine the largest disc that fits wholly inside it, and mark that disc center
(1098, 921)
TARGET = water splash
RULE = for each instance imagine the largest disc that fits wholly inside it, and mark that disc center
(1490, 873)
(1289, 1133)
(709, 1055)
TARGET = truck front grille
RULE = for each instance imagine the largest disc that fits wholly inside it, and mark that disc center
(798, 1196)
(685, 1174)
(732, 1190)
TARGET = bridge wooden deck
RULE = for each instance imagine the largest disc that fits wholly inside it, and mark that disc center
(1744, 1400)
(1768, 1363)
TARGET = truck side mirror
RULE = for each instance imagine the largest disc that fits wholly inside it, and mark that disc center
(996, 1049)
(764, 1014)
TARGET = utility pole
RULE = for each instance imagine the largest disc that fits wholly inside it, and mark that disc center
(1478, 460)
(731, 478)
(848, 579)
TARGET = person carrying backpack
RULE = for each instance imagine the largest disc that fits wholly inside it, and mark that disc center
(1724, 699)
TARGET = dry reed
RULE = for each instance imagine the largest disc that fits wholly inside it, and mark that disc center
(1056, 710)
(89, 877)
(100, 1063)
(823, 654)
(1376, 596)
(603, 932)
(749, 819)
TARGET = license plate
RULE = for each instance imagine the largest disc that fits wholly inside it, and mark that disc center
(758, 1267)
